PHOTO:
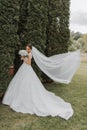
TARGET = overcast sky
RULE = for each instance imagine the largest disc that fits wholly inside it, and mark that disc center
(78, 16)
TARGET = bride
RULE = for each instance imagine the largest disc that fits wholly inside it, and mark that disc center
(26, 93)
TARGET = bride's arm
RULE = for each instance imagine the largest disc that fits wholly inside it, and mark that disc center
(27, 60)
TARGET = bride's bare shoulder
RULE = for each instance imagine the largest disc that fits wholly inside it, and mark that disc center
(30, 55)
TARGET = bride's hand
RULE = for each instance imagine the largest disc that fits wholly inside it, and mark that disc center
(22, 58)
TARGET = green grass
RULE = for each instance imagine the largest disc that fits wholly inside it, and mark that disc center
(75, 93)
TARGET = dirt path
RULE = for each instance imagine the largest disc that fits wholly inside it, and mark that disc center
(84, 57)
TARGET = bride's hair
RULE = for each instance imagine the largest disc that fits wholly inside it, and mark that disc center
(29, 45)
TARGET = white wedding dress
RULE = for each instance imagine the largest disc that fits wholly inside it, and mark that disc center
(26, 94)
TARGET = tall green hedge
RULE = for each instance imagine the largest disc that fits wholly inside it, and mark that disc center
(57, 27)
(45, 24)
(32, 25)
(9, 16)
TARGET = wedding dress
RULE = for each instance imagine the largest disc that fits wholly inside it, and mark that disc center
(26, 94)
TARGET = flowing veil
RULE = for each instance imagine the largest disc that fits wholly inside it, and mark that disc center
(60, 67)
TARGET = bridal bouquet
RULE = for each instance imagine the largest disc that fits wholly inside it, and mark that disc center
(23, 53)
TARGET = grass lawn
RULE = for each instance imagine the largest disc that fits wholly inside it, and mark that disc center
(75, 93)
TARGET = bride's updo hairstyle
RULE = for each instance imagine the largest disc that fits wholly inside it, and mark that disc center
(29, 45)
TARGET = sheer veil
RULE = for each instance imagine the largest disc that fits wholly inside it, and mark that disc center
(60, 67)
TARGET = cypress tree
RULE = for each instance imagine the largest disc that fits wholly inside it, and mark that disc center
(57, 27)
(20, 31)
(36, 23)
(36, 27)
(9, 16)
(23, 15)
(64, 25)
